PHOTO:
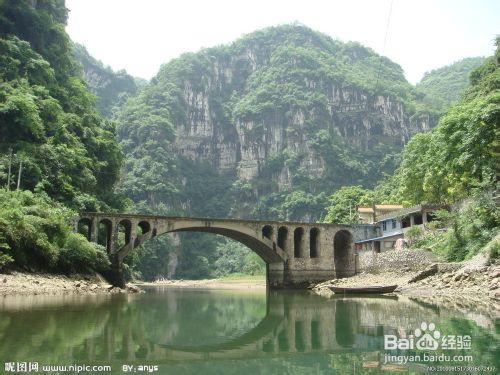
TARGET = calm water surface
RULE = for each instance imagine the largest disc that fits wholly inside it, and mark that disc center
(235, 332)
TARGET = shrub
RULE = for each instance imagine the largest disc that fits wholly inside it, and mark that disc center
(413, 234)
(493, 247)
(36, 233)
(5, 260)
(80, 255)
(470, 229)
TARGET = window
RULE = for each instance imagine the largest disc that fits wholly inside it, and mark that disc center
(394, 224)
(384, 225)
(405, 222)
(417, 218)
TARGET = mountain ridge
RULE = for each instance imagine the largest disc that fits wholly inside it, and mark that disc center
(280, 112)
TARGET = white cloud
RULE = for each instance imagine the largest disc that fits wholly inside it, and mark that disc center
(141, 35)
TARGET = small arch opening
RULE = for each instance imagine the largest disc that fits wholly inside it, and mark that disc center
(298, 234)
(282, 237)
(124, 232)
(104, 233)
(143, 227)
(314, 242)
(267, 231)
(84, 227)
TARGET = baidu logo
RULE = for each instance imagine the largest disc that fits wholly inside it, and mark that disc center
(427, 337)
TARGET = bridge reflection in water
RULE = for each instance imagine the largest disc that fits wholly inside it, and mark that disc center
(179, 326)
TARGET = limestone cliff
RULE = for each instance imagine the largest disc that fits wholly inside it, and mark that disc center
(111, 88)
(288, 115)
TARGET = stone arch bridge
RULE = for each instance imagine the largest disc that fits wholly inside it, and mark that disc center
(296, 254)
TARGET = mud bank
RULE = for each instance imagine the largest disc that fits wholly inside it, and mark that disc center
(17, 283)
(237, 284)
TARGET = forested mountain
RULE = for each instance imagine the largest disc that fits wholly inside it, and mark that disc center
(445, 85)
(267, 126)
(461, 153)
(111, 88)
(53, 144)
(456, 163)
(48, 116)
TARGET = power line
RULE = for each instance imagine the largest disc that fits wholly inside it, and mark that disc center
(383, 49)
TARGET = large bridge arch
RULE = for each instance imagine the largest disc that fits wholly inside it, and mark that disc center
(296, 254)
(263, 246)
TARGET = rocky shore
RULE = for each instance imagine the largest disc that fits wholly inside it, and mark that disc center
(474, 282)
(17, 283)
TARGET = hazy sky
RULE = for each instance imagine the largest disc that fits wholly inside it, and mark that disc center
(140, 35)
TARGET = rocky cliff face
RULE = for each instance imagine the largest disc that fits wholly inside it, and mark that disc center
(111, 88)
(290, 114)
(353, 117)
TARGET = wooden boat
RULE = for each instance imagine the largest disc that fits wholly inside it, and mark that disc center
(364, 290)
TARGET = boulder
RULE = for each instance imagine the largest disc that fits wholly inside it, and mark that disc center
(429, 271)
(133, 289)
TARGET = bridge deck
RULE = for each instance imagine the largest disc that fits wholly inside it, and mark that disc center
(231, 220)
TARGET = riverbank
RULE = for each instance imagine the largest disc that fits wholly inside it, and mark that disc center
(474, 282)
(18, 283)
(230, 282)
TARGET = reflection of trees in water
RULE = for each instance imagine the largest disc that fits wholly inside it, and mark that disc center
(182, 325)
(201, 317)
(59, 325)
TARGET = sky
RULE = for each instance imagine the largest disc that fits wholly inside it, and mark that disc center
(140, 35)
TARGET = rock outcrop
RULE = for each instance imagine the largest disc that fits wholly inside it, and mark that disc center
(281, 110)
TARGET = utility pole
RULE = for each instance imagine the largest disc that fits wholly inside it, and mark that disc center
(10, 169)
(19, 174)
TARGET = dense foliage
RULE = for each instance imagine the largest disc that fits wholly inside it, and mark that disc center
(235, 258)
(471, 228)
(445, 85)
(54, 147)
(36, 234)
(344, 202)
(461, 153)
(47, 115)
(456, 163)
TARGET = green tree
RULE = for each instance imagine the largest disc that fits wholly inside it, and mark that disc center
(460, 154)
(446, 84)
(47, 114)
(343, 204)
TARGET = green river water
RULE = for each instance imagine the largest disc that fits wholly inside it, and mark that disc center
(180, 331)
